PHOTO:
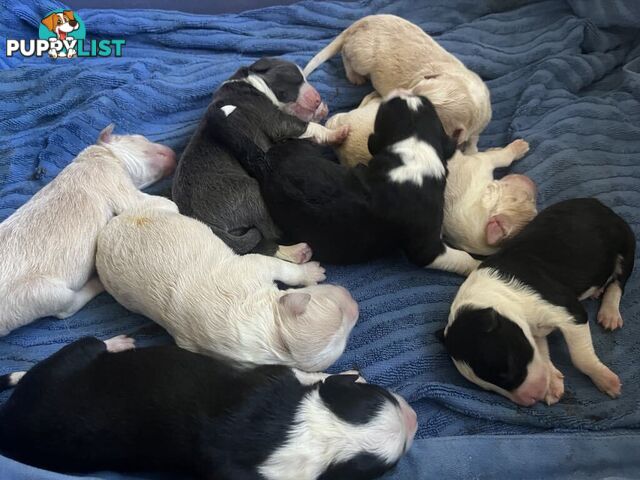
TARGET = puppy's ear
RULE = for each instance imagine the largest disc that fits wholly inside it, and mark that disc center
(68, 14)
(341, 379)
(498, 228)
(295, 303)
(50, 21)
(374, 144)
(261, 65)
(105, 134)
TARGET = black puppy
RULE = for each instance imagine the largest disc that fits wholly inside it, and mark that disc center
(87, 408)
(275, 102)
(352, 215)
(503, 312)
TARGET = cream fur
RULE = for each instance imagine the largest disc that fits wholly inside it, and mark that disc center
(472, 197)
(174, 270)
(48, 244)
(394, 53)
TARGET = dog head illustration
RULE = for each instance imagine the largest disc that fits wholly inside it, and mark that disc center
(61, 23)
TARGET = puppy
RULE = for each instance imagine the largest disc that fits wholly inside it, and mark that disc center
(275, 102)
(49, 243)
(104, 406)
(480, 213)
(61, 24)
(174, 270)
(503, 312)
(394, 53)
(352, 215)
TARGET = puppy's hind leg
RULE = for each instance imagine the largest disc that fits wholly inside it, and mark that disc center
(555, 389)
(503, 157)
(457, 261)
(79, 298)
(353, 76)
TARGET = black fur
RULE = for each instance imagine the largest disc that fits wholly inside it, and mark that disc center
(352, 215)
(210, 185)
(161, 409)
(567, 249)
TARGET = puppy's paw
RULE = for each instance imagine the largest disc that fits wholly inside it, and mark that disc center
(313, 273)
(120, 344)
(609, 317)
(339, 135)
(556, 387)
(53, 53)
(608, 382)
(519, 148)
(355, 78)
(71, 53)
(298, 253)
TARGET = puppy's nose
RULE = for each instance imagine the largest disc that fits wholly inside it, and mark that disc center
(73, 23)
(312, 98)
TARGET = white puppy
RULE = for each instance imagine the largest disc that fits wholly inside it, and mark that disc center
(480, 213)
(394, 53)
(174, 270)
(48, 244)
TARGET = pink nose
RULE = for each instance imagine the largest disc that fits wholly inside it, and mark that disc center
(167, 159)
(531, 392)
(312, 98)
(409, 417)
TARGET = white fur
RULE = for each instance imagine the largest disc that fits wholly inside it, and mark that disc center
(484, 288)
(48, 244)
(259, 84)
(419, 160)
(228, 109)
(174, 270)
(320, 438)
(15, 377)
(453, 260)
(322, 135)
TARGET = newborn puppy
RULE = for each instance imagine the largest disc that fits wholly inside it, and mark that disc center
(48, 244)
(275, 102)
(352, 215)
(394, 53)
(480, 213)
(174, 270)
(504, 311)
(96, 406)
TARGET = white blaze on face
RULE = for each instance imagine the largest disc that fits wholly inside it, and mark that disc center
(318, 438)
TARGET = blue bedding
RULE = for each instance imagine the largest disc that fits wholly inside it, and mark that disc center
(563, 74)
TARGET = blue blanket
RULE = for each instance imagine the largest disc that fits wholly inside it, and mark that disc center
(564, 75)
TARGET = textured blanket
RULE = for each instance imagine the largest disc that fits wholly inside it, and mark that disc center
(564, 75)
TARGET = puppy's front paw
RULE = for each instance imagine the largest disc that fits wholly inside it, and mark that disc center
(120, 344)
(298, 253)
(609, 317)
(556, 387)
(608, 382)
(339, 135)
(71, 53)
(519, 148)
(53, 53)
(313, 273)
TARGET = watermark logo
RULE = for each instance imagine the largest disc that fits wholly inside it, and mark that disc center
(63, 35)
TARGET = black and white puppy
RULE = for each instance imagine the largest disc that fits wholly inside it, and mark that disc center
(504, 311)
(274, 102)
(104, 406)
(350, 215)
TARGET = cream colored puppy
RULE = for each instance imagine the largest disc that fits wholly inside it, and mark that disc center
(48, 244)
(174, 270)
(480, 213)
(394, 53)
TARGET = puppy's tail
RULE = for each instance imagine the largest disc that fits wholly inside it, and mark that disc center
(10, 380)
(220, 126)
(325, 54)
